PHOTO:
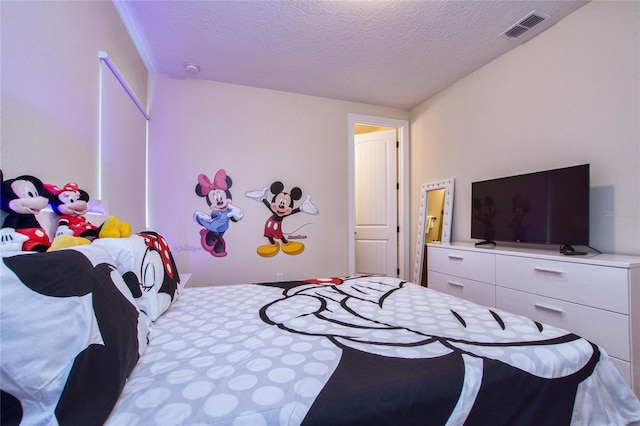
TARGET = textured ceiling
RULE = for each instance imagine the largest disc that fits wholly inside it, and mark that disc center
(391, 53)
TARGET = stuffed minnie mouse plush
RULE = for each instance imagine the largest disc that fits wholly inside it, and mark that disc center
(22, 198)
(71, 204)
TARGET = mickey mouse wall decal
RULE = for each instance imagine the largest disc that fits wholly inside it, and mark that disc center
(216, 223)
(281, 206)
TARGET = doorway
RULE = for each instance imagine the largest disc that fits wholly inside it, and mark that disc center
(401, 160)
(376, 202)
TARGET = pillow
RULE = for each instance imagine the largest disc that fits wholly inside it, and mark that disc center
(146, 264)
(71, 334)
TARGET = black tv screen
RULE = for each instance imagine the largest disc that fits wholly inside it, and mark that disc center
(547, 207)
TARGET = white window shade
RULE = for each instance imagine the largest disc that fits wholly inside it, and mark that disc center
(123, 148)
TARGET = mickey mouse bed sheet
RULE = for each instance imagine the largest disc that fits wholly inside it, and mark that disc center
(366, 350)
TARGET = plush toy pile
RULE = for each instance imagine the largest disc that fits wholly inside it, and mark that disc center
(23, 197)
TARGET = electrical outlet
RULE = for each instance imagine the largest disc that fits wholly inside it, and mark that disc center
(279, 276)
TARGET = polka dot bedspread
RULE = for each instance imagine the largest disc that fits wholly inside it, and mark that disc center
(363, 350)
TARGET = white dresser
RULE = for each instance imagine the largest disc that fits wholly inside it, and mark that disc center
(597, 297)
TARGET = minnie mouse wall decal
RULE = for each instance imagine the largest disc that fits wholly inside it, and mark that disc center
(216, 223)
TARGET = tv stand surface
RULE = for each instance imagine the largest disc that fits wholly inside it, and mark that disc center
(568, 250)
(486, 243)
(596, 296)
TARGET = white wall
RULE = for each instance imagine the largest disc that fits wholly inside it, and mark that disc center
(258, 136)
(50, 82)
(567, 97)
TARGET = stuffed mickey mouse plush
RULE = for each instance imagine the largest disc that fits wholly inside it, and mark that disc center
(22, 198)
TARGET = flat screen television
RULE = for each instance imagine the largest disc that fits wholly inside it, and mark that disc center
(547, 207)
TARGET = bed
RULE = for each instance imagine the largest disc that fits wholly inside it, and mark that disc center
(106, 333)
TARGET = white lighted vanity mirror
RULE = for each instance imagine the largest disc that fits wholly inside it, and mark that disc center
(434, 220)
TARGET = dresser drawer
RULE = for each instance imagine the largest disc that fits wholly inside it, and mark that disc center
(475, 291)
(461, 263)
(598, 286)
(607, 329)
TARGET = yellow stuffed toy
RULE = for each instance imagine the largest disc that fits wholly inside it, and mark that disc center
(114, 228)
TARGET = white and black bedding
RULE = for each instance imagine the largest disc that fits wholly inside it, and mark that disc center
(361, 350)
(73, 324)
(369, 350)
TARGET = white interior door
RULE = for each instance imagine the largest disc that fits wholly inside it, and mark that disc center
(376, 203)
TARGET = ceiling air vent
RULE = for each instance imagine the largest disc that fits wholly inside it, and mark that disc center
(524, 25)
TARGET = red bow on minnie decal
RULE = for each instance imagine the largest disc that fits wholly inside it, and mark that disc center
(219, 182)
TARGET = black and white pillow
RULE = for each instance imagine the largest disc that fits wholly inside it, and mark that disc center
(71, 334)
(146, 264)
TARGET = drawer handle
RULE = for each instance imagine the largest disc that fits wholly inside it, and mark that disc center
(455, 257)
(455, 284)
(549, 308)
(549, 271)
